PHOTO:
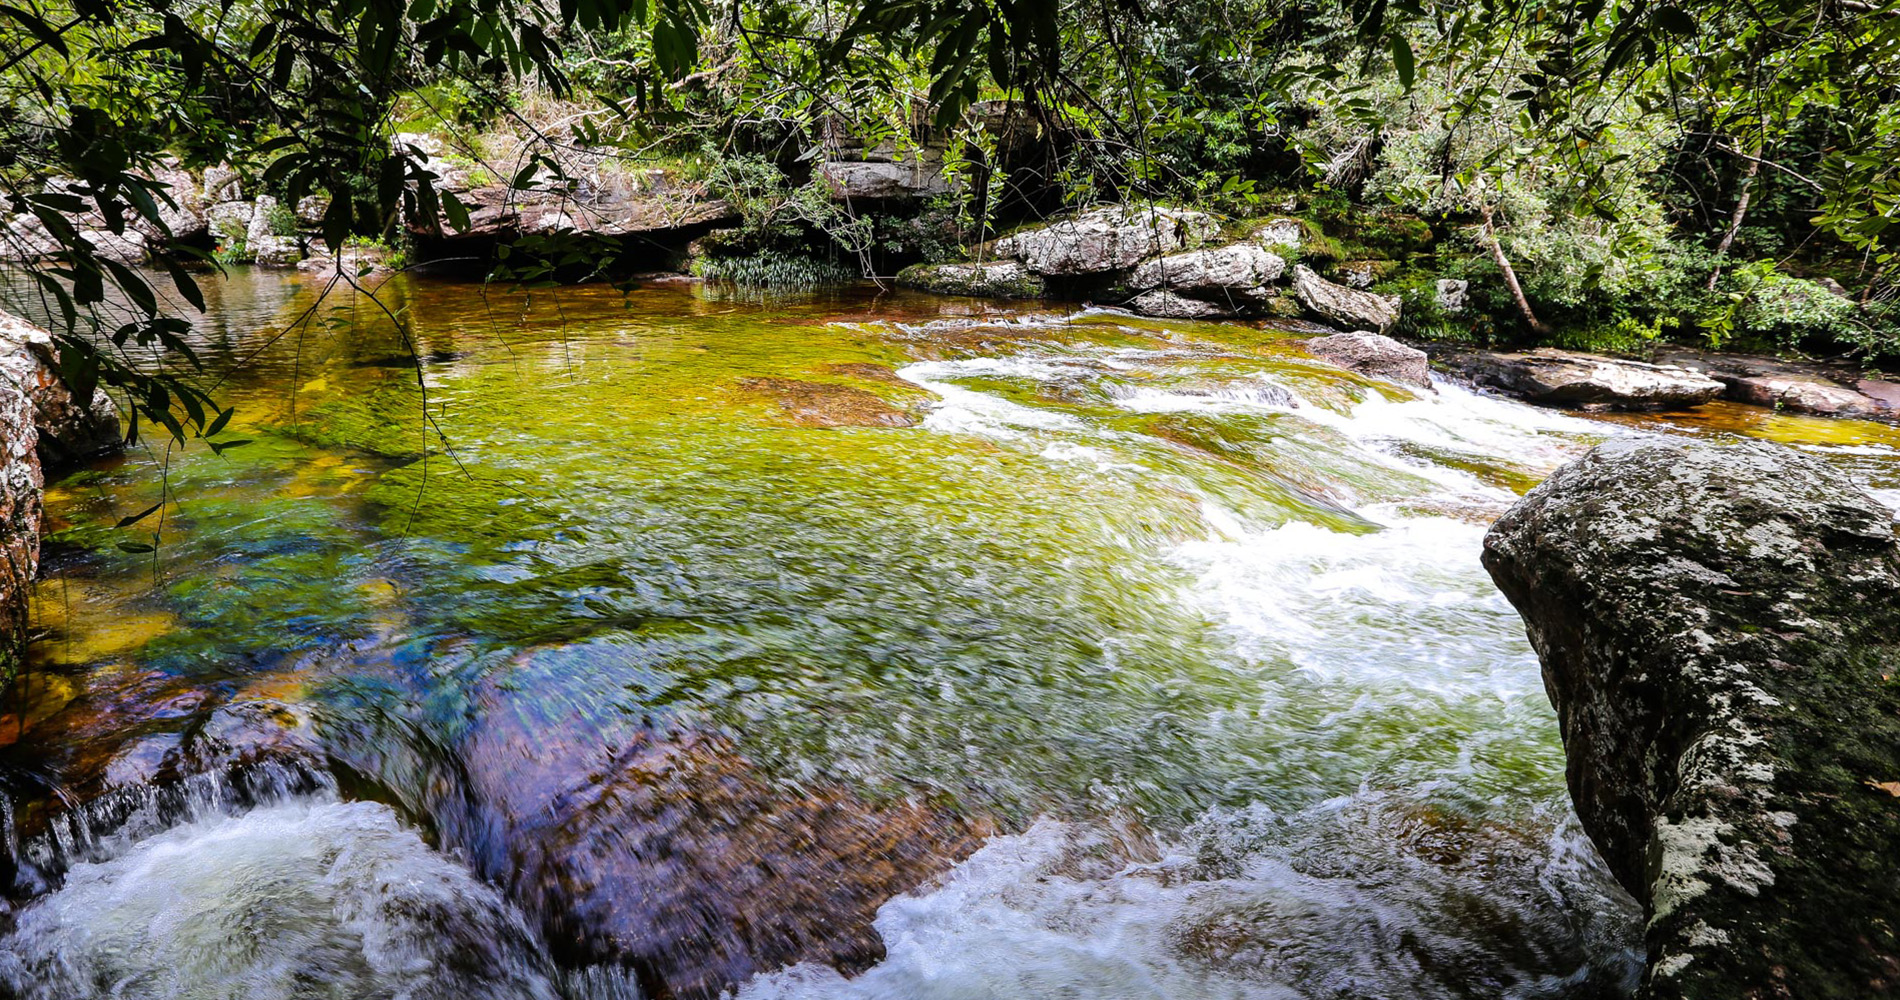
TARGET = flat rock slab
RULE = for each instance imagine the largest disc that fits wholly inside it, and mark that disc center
(1817, 388)
(1720, 635)
(1587, 381)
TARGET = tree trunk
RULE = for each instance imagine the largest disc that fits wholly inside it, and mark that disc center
(1510, 276)
(1735, 221)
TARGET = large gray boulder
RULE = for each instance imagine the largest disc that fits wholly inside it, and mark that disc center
(1720, 635)
(181, 208)
(1374, 354)
(1566, 378)
(1236, 274)
(1348, 307)
(1105, 240)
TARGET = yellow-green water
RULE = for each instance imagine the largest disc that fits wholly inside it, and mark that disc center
(1093, 579)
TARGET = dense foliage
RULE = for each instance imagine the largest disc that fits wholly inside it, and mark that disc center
(1606, 174)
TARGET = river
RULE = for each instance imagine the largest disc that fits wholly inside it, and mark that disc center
(568, 643)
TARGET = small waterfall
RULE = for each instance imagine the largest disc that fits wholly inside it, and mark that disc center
(105, 826)
(301, 894)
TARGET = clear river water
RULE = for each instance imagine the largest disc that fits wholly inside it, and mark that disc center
(684, 643)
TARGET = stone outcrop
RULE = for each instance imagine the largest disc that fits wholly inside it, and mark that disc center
(1374, 354)
(997, 279)
(41, 427)
(848, 180)
(1235, 274)
(67, 431)
(1106, 240)
(20, 483)
(1720, 635)
(1348, 307)
(1565, 378)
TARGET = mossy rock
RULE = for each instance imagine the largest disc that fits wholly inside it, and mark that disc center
(1002, 279)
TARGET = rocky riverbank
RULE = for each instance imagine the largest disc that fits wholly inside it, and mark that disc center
(42, 427)
(1720, 636)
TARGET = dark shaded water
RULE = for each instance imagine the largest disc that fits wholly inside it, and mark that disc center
(683, 642)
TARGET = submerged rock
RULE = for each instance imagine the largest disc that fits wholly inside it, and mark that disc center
(1105, 240)
(1373, 354)
(1565, 378)
(827, 404)
(1347, 306)
(1721, 638)
(674, 856)
(997, 279)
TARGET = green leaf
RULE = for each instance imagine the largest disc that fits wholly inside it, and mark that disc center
(137, 547)
(456, 211)
(217, 424)
(1402, 60)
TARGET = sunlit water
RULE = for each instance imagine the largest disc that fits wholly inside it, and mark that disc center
(1181, 631)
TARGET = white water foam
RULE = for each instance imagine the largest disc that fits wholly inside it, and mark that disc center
(1245, 907)
(266, 903)
(1420, 609)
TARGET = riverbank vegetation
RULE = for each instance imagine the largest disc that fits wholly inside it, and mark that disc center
(1604, 175)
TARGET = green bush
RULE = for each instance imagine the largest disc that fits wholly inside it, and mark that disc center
(1759, 306)
(773, 270)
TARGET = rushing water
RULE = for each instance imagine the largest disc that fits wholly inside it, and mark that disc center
(1090, 657)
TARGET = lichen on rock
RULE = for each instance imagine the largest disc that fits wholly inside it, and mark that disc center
(1720, 635)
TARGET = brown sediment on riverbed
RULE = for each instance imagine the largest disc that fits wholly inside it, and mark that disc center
(827, 404)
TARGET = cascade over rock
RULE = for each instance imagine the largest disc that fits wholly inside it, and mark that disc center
(1720, 635)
